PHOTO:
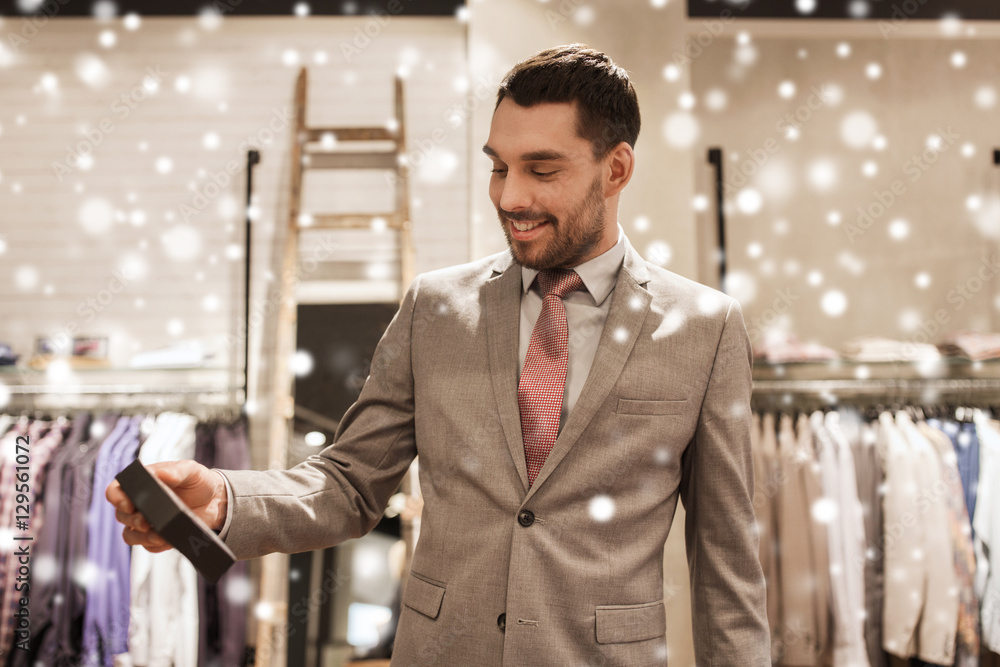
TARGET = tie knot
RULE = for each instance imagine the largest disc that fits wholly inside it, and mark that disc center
(559, 282)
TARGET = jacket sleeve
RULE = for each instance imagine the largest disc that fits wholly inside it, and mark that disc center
(341, 492)
(728, 606)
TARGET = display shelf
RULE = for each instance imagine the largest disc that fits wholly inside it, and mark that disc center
(845, 369)
(81, 389)
(28, 371)
(929, 379)
(66, 383)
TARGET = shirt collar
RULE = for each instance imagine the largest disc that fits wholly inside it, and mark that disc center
(598, 274)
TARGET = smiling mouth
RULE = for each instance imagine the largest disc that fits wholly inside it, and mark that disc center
(526, 226)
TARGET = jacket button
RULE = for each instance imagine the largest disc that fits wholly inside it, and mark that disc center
(526, 518)
(502, 622)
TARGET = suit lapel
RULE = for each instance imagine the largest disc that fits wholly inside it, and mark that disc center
(629, 305)
(502, 299)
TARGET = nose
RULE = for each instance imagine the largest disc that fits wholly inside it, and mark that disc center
(515, 193)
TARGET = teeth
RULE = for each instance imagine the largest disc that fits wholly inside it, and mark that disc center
(525, 226)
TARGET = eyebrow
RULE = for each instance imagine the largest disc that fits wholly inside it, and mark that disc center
(532, 156)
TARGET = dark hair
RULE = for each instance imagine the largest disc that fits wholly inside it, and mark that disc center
(608, 106)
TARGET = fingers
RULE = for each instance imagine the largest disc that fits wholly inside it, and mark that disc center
(150, 540)
(116, 496)
(177, 473)
(124, 509)
(137, 531)
(135, 521)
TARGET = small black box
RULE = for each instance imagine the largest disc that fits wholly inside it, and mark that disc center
(174, 521)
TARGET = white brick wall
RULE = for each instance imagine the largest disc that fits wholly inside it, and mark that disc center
(61, 241)
(894, 286)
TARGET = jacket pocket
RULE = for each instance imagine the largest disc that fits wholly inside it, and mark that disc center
(423, 596)
(621, 623)
(630, 406)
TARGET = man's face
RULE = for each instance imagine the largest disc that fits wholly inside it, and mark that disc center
(546, 186)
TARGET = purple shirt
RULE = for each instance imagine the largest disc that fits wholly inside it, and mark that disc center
(106, 617)
(966, 443)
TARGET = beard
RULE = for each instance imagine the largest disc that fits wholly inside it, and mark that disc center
(574, 237)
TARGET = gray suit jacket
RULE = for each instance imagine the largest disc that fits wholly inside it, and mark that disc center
(665, 412)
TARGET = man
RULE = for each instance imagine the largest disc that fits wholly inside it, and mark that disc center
(556, 431)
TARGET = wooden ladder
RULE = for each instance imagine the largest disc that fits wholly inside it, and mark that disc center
(322, 148)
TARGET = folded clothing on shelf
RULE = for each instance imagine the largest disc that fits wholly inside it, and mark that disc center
(874, 348)
(972, 345)
(782, 348)
(41, 362)
(183, 354)
(7, 356)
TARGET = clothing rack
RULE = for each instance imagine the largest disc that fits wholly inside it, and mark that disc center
(204, 401)
(875, 386)
(874, 393)
(61, 390)
(75, 454)
(880, 474)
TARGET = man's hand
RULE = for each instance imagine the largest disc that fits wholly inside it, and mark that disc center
(203, 490)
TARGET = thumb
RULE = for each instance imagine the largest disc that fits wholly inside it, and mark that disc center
(174, 473)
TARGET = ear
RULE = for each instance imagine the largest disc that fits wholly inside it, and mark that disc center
(619, 164)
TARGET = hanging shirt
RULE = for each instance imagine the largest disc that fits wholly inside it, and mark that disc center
(987, 526)
(804, 567)
(164, 586)
(869, 472)
(967, 636)
(767, 490)
(106, 617)
(846, 540)
(903, 539)
(939, 618)
(56, 597)
(8, 490)
(966, 444)
(766, 485)
(42, 441)
(223, 605)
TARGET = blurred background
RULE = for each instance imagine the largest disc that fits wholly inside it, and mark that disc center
(209, 213)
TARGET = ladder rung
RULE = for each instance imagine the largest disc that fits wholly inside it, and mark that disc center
(350, 134)
(345, 160)
(352, 220)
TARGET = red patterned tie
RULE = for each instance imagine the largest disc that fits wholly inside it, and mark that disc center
(543, 378)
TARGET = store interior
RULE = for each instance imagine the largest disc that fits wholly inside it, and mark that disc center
(209, 213)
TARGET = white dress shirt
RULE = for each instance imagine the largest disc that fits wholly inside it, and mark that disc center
(938, 623)
(987, 528)
(163, 631)
(586, 313)
(846, 541)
